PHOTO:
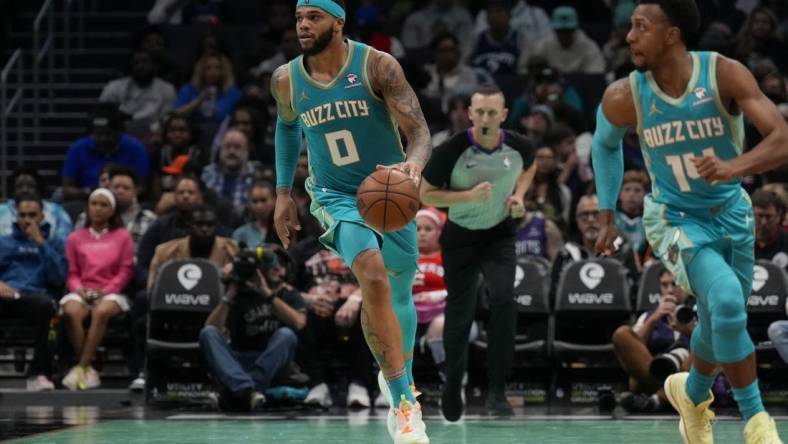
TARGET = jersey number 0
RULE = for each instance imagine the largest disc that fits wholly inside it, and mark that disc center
(350, 154)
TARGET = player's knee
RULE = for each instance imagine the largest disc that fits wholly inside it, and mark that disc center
(728, 314)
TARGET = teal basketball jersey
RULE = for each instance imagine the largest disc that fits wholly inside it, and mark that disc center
(674, 130)
(348, 129)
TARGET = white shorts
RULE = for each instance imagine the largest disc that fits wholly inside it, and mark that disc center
(121, 300)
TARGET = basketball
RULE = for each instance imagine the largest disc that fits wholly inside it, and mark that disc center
(387, 199)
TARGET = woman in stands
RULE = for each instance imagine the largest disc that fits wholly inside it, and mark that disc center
(259, 230)
(212, 94)
(100, 265)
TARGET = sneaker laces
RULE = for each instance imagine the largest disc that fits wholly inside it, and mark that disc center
(404, 412)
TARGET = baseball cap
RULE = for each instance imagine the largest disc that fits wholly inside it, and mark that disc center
(564, 17)
(545, 111)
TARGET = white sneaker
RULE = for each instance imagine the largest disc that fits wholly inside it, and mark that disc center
(410, 428)
(384, 390)
(384, 398)
(319, 395)
(138, 384)
(74, 378)
(92, 379)
(357, 396)
(39, 383)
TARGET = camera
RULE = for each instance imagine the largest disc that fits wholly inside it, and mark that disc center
(248, 261)
(684, 314)
(668, 363)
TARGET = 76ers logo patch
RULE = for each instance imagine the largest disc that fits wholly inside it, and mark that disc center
(352, 81)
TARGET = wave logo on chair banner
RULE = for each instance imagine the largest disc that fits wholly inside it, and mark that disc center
(592, 274)
(760, 276)
(189, 275)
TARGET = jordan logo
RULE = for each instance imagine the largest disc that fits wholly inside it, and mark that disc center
(654, 110)
(303, 96)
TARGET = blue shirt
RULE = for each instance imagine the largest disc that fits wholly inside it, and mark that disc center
(57, 218)
(250, 234)
(25, 266)
(224, 105)
(84, 163)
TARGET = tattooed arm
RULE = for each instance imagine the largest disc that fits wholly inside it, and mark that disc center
(389, 82)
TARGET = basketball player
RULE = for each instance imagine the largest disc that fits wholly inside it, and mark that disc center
(481, 175)
(345, 97)
(687, 108)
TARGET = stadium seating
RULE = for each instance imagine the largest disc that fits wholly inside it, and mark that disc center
(185, 292)
(648, 291)
(767, 302)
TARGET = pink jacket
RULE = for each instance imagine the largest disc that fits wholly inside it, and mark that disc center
(105, 263)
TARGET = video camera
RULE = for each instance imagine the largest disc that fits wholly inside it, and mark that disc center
(248, 261)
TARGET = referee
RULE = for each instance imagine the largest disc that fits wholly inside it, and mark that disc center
(481, 176)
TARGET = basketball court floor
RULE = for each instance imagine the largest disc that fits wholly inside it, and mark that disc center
(120, 420)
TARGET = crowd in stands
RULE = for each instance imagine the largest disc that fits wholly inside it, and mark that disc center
(179, 163)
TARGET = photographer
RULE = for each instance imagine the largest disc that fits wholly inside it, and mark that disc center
(261, 315)
(657, 343)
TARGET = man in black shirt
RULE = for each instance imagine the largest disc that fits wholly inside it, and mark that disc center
(481, 175)
(262, 316)
(771, 241)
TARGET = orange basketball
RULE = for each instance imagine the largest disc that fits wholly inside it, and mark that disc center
(387, 199)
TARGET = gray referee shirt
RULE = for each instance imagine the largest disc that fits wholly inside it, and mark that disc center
(460, 164)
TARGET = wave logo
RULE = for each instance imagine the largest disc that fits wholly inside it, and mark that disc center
(189, 275)
(759, 277)
(592, 274)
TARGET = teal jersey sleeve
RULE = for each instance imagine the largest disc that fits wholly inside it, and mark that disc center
(287, 142)
(608, 160)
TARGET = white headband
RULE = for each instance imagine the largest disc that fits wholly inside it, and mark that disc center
(106, 193)
(429, 214)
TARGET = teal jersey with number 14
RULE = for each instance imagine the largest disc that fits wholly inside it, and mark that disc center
(674, 130)
(348, 129)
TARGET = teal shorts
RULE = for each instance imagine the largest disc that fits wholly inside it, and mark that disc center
(676, 235)
(335, 210)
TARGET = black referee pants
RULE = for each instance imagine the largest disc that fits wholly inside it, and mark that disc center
(466, 255)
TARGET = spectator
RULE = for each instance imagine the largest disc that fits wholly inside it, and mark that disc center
(232, 176)
(562, 138)
(551, 197)
(586, 217)
(771, 241)
(570, 50)
(654, 332)
(32, 264)
(262, 315)
(537, 123)
(498, 49)
(251, 118)
(187, 196)
(448, 75)
(141, 95)
(178, 148)
(100, 266)
(106, 145)
(531, 20)
(153, 41)
(537, 235)
(202, 242)
(760, 39)
(124, 184)
(774, 87)
(370, 28)
(429, 289)
(288, 49)
(616, 49)
(629, 218)
(25, 180)
(548, 89)
(212, 93)
(333, 328)
(778, 334)
(434, 18)
(458, 119)
(260, 230)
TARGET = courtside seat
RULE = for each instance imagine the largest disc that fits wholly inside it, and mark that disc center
(767, 302)
(185, 293)
(649, 292)
(591, 302)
